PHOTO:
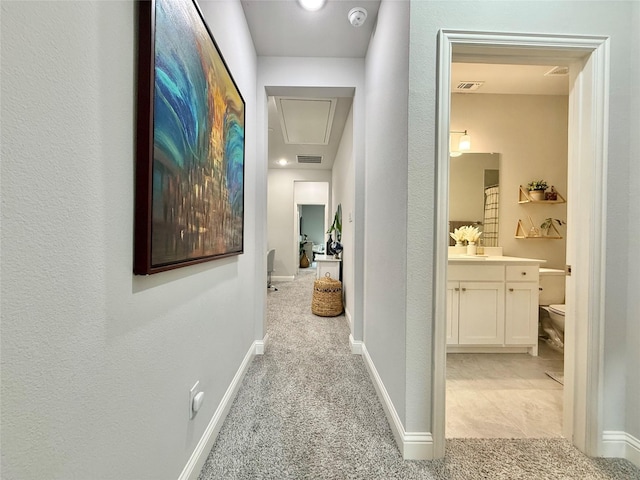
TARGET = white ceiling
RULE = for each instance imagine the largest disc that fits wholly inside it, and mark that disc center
(283, 28)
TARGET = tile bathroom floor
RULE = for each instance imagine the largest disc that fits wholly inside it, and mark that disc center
(504, 395)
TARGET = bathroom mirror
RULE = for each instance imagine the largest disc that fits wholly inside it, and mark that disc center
(474, 180)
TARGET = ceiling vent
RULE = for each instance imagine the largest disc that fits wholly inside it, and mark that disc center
(312, 159)
(468, 86)
(557, 71)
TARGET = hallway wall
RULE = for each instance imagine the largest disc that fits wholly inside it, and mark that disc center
(343, 192)
(97, 363)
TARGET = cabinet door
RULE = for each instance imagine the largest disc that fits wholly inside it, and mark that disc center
(453, 294)
(521, 313)
(481, 313)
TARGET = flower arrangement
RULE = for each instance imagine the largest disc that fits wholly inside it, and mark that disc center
(537, 185)
(466, 234)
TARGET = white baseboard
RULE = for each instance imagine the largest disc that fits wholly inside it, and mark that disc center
(621, 445)
(193, 467)
(261, 345)
(412, 445)
(356, 346)
(289, 278)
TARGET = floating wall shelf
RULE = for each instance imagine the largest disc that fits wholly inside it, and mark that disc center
(525, 197)
(521, 232)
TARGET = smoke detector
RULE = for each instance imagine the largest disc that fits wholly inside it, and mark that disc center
(357, 16)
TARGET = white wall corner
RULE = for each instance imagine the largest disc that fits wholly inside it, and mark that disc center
(261, 345)
(356, 346)
(621, 445)
(412, 445)
(193, 467)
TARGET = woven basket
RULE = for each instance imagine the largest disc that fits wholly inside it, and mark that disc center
(327, 297)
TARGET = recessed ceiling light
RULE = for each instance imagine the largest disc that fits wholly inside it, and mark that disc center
(312, 5)
(282, 162)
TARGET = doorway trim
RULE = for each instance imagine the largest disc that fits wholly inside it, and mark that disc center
(588, 60)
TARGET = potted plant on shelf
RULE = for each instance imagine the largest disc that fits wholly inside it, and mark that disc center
(537, 189)
(548, 224)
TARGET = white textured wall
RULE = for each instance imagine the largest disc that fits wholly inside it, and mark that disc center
(530, 133)
(615, 19)
(385, 334)
(282, 214)
(343, 192)
(97, 363)
(632, 423)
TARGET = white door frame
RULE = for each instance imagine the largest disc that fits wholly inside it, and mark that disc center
(588, 59)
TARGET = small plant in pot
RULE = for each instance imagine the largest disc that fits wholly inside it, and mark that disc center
(548, 224)
(537, 189)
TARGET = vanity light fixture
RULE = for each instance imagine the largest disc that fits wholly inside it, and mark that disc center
(464, 144)
(312, 5)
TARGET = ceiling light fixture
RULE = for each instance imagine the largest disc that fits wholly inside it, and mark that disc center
(312, 5)
(357, 16)
(282, 162)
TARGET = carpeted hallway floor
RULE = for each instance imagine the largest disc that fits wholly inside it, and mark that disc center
(308, 410)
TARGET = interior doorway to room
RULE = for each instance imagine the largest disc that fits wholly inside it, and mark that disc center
(495, 388)
(311, 232)
(588, 68)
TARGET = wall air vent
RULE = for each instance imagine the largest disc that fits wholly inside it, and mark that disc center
(557, 71)
(314, 159)
(468, 86)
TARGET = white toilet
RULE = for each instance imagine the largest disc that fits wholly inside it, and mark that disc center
(551, 301)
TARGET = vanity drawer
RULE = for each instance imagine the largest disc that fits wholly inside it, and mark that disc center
(522, 273)
(476, 273)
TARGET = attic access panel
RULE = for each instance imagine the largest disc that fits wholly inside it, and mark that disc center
(306, 121)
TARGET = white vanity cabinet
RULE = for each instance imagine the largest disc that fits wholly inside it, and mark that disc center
(492, 306)
(521, 306)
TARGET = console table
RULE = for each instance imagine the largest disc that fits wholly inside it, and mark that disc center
(328, 264)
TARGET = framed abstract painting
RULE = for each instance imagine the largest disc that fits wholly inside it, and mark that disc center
(189, 200)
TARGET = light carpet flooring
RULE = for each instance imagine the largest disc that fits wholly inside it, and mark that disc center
(307, 409)
(504, 395)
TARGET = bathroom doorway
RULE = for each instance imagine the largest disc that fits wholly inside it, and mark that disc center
(502, 391)
(586, 59)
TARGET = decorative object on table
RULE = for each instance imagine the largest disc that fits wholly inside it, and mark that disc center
(336, 226)
(537, 189)
(548, 226)
(190, 152)
(327, 297)
(304, 259)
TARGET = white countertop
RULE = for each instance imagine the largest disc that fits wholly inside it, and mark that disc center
(497, 259)
(326, 258)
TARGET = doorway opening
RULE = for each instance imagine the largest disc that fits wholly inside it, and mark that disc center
(586, 58)
(506, 382)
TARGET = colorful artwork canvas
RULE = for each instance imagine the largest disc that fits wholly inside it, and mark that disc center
(190, 175)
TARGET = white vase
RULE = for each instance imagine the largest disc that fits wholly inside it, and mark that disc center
(471, 248)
